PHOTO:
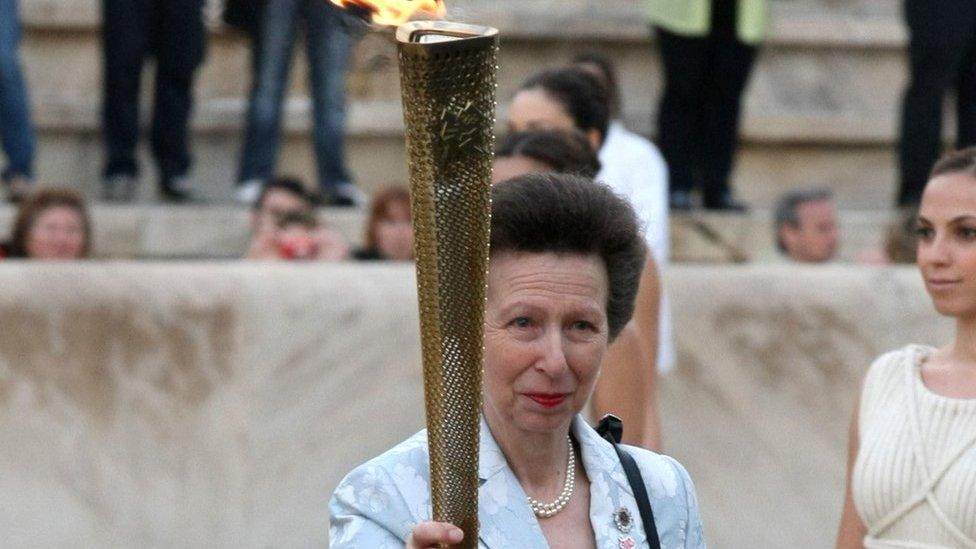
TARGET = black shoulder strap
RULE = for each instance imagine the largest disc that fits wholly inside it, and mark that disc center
(611, 429)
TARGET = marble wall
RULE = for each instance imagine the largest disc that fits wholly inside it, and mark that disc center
(218, 404)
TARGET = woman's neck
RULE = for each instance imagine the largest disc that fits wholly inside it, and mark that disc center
(963, 349)
(537, 459)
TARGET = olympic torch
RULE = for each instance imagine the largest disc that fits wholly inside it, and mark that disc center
(448, 81)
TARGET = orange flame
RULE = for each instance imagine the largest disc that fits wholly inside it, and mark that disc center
(396, 12)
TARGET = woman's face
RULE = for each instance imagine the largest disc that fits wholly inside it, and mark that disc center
(534, 109)
(57, 233)
(947, 243)
(545, 336)
(394, 234)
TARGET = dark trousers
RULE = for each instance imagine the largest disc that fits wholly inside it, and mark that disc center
(172, 32)
(698, 122)
(942, 55)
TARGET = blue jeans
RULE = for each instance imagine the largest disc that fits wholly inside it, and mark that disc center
(16, 132)
(330, 35)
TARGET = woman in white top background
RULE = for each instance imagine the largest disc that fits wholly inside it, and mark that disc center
(912, 462)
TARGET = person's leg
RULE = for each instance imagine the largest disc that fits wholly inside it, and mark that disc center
(729, 66)
(179, 44)
(331, 35)
(938, 39)
(16, 131)
(966, 84)
(125, 43)
(269, 82)
(683, 61)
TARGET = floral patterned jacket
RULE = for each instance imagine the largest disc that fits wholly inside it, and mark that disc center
(378, 504)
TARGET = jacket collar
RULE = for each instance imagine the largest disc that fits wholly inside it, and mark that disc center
(502, 505)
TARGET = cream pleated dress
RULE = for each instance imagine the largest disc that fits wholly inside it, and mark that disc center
(914, 481)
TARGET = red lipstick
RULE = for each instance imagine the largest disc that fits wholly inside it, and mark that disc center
(547, 400)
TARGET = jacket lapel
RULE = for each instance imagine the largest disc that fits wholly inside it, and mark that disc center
(609, 489)
(505, 518)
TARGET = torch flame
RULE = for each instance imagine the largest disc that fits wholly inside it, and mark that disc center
(396, 12)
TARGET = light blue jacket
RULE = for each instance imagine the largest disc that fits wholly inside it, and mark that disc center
(378, 504)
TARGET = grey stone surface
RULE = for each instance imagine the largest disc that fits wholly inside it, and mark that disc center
(218, 404)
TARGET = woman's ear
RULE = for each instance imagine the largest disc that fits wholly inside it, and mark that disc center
(595, 138)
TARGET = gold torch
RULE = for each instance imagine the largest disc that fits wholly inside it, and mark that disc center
(448, 80)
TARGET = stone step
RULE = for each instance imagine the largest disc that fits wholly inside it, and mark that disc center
(148, 231)
(821, 108)
(841, 89)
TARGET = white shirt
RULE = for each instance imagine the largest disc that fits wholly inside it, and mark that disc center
(635, 169)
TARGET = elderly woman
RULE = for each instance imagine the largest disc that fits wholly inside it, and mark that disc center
(566, 258)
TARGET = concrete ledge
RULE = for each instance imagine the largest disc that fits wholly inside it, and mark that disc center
(218, 404)
(368, 119)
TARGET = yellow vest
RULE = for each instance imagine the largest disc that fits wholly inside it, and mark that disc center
(693, 17)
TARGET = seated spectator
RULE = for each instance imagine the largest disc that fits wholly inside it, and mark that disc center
(52, 224)
(806, 225)
(283, 197)
(389, 232)
(520, 153)
(300, 237)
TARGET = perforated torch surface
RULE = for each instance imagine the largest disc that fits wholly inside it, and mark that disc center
(449, 103)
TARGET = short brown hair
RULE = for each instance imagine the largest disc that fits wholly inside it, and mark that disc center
(37, 203)
(562, 151)
(562, 213)
(378, 210)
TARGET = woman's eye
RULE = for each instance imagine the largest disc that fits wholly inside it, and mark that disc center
(924, 233)
(582, 325)
(967, 233)
(521, 322)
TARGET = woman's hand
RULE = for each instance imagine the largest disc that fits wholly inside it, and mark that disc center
(432, 534)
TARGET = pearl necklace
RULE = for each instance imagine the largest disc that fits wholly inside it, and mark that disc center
(546, 510)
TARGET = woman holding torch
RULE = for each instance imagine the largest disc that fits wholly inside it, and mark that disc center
(565, 261)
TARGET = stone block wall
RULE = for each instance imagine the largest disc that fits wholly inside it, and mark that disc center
(218, 404)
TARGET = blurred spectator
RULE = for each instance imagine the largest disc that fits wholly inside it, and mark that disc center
(285, 200)
(299, 236)
(900, 243)
(389, 233)
(279, 197)
(570, 98)
(707, 51)
(567, 151)
(16, 131)
(632, 165)
(806, 225)
(172, 32)
(51, 224)
(941, 55)
(330, 34)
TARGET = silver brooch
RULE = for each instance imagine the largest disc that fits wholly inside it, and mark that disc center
(623, 519)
